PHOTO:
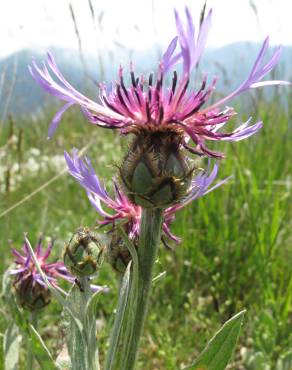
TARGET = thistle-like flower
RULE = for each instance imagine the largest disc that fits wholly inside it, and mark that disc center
(125, 211)
(31, 291)
(149, 105)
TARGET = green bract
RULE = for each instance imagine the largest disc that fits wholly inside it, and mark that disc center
(155, 173)
(31, 295)
(118, 254)
(84, 254)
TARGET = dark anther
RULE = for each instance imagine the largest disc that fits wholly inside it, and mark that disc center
(174, 82)
(148, 111)
(161, 113)
(133, 79)
(159, 83)
(184, 90)
(124, 87)
(120, 96)
(149, 94)
(150, 79)
(138, 97)
(110, 105)
(198, 106)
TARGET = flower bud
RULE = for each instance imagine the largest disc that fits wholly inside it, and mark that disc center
(30, 294)
(118, 254)
(84, 253)
(155, 173)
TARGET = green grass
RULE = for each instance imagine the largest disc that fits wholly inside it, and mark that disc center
(235, 254)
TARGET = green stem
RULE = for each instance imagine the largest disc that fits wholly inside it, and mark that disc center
(150, 233)
(30, 356)
(82, 346)
(89, 322)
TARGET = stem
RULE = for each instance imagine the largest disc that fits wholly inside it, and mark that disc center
(30, 357)
(82, 346)
(89, 323)
(150, 231)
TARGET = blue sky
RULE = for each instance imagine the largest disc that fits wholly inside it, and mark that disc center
(135, 23)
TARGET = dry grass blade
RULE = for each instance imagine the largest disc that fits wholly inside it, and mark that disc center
(42, 187)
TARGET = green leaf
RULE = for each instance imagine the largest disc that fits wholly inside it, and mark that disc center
(123, 299)
(11, 347)
(92, 302)
(127, 330)
(158, 277)
(77, 347)
(285, 361)
(63, 361)
(220, 348)
(40, 350)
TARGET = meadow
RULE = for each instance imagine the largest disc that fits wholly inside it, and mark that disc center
(236, 242)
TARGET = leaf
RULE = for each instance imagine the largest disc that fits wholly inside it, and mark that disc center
(285, 361)
(127, 330)
(123, 299)
(11, 347)
(77, 347)
(158, 277)
(63, 360)
(40, 350)
(91, 304)
(220, 348)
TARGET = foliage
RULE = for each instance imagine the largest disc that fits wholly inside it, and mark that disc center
(236, 250)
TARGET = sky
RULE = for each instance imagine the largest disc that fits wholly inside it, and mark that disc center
(135, 24)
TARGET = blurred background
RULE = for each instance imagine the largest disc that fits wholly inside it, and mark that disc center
(237, 242)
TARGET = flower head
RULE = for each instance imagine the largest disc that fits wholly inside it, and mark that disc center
(31, 290)
(148, 103)
(84, 253)
(124, 210)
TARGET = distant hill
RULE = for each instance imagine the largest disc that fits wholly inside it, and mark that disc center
(231, 63)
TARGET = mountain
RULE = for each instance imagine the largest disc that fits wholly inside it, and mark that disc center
(20, 95)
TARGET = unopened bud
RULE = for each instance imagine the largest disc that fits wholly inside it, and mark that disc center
(84, 254)
(30, 294)
(155, 173)
(118, 254)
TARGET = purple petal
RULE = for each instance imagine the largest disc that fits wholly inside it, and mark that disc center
(168, 60)
(56, 120)
(257, 73)
(244, 131)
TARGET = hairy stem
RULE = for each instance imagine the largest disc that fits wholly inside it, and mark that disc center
(30, 356)
(150, 232)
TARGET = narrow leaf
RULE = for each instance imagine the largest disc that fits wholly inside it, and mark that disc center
(221, 347)
(123, 299)
(127, 327)
(40, 351)
(11, 347)
(77, 347)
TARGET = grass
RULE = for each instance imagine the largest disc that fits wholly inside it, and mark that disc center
(235, 254)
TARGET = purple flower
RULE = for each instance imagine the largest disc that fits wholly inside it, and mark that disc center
(149, 104)
(27, 270)
(125, 211)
